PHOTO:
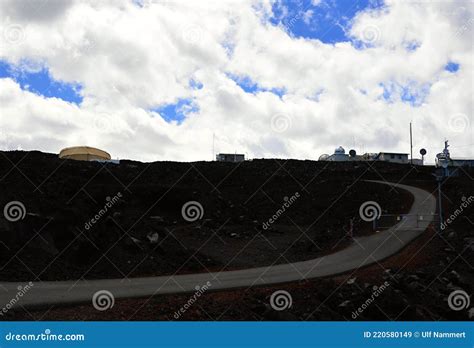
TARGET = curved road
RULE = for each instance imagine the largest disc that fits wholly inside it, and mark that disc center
(364, 251)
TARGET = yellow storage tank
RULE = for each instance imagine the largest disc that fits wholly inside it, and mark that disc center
(84, 153)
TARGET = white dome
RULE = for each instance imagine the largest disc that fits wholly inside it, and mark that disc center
(340, 150)
(323, 157)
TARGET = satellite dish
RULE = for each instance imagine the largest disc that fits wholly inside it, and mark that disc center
(422, 152)
(352, 153)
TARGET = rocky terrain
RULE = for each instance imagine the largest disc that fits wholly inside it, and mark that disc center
(64, 234)
(145, 233)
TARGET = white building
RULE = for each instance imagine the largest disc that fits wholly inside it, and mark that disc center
(393, 157)
(230, 157)
(341, 156)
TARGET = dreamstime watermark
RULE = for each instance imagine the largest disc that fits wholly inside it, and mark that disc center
(192, 34)
(376, 293)
(291, 21)
(199, 291)
(105, 123)
(371, 34)
(458, 123)
(287, 204)
(459, 300)
(44, 336)
(22, 290)
(466, 202)
(110, 203)
(103, 300)
(192, 211)
(281, 300)
(370, 211)
(14, 34)
(14, 211)
(466, 26)
(280, 123)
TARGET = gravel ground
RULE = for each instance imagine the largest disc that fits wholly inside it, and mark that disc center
(236, 201)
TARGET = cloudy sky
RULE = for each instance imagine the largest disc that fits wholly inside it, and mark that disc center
(160, 79)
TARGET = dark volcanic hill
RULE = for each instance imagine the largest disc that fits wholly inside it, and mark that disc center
(95, 220)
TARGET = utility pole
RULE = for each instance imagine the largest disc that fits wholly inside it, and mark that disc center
(411, 145)
(440, 204)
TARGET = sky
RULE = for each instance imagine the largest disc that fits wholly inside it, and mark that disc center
(166, 79)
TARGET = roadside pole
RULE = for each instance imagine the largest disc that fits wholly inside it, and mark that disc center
(440, 206)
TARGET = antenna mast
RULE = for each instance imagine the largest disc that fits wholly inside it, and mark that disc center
(213, 147)
(411, 145)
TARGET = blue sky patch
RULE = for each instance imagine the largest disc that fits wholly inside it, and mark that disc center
(452, 67)
(139, 3)
(245, 83)
(412, 46)
(325, 20)
(317, 95)
(278, 91)
(411, 93)
(388, 92)
(178, 111)
(39, 81)
(195, 84)
(249, 86)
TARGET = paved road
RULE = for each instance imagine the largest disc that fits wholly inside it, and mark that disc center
(364, 251)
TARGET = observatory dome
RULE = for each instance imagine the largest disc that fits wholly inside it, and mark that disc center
(84, 153)
(323, 157)
(340, 151)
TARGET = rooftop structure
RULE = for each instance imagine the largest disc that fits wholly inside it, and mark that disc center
(341, 156)
(444, 159)
(230, 157)
(393, 157)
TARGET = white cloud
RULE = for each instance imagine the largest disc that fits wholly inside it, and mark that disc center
(307, 16)
(131, 58)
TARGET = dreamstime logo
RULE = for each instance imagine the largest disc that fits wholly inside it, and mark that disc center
(281, 300)
(108, 205)
(288, 202)
(290, 22)
(280, 123)
(458, 300)
(370, 211)
(192, 34)
(22, 290)
(466, 26)
(103, 300)
(458, 123)
(14, 34)
(377, 291)
(104, 123)
(371, 34)
(466, 202)
(14, 211)
(200, 290)
(192, 211)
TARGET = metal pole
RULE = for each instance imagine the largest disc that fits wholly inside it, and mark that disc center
(440, 205)
(411, 145)
(213, 147)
